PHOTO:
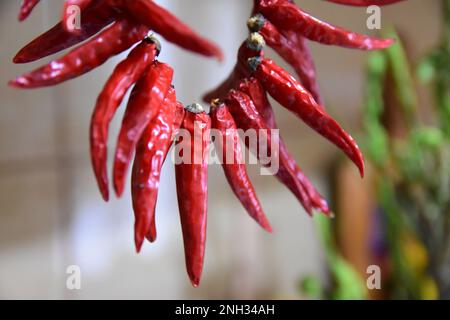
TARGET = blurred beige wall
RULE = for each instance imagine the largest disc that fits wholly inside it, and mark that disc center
(52, 216)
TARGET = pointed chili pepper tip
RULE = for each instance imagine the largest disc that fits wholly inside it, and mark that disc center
(253, 63)
(328, 214)
(256, 23)
(256, 42)
(20, 82)
(21, 57)
(152, 39)
(195, 108)
(266, 226)
(219, 55)
(138, 243)
(389, 42)
(105, 194)
(362, 168)
(18, 59)
(380, 44)
(195, 281)
(151, 238)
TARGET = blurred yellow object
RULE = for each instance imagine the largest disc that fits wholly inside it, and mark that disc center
(429, 289)
(415, 254)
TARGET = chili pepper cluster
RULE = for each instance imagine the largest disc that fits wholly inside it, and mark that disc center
(286, 28)
(154, 116)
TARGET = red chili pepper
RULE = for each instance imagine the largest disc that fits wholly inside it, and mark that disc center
(290, 94)
(26, 8)
(256, 92)
(83, 59)
(192, 189)
(170, 27)
(251, 47)
(287, 16)
(81, 4)
(151, 153)
(147, 12)
(307, 66)
(124, 76)
(178, 121)
(145, 100)
(365, 3)
(94, 18)
(235, 171)
(247, 118)
(292, 48)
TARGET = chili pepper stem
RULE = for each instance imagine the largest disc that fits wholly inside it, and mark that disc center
(256, 42)
(152, 39)
(195, 108)
(256, 23)
(254, 62)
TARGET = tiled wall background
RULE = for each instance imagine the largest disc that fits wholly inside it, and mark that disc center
(52, 216)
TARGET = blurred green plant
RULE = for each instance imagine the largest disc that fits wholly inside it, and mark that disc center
(411, 174)
(413, 169)
(346, 282)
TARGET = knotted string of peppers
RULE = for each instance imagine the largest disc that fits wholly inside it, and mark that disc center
(154, 117)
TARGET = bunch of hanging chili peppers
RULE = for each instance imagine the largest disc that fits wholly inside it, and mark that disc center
(154, 117)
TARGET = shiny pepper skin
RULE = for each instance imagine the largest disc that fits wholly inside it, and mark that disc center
(289, 93)
(26, 8)
(288, 17)
(110, 42)
(292, 48)
(154, 117)
(145, 101)
(235, 170)
(178, 121)
(127, 73)
(140, 13)
(151, 153)
(192, 189)
(256, 92)
(95, 18)
(247, 118)
(167, 25)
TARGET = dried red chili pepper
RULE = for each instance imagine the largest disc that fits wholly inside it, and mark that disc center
(83, 59)
(192, 188)
(247, 118)
(147, 121)
(151, 152)
(288, 17)
(235, 171)
(289, 93)
(292, 48)
(365, 3)
(145, 12)
(26, 8)
(124, 76)
(94, 18)
(167, 25)
(178, 121)
(145, 100)
(252, 46)
(256, 92)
